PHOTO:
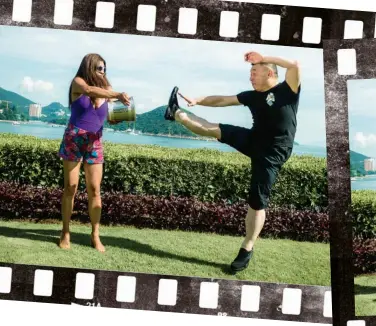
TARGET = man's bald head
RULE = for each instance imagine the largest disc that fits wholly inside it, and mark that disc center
(270, 66)
(263, 76)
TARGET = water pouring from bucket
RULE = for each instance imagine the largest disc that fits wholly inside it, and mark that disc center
(119, 111)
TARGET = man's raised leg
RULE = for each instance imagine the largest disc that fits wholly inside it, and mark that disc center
(198, 125)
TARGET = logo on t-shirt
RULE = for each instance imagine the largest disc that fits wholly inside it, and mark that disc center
(270, 99)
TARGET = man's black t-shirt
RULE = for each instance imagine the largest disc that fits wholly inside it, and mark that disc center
(274, 114)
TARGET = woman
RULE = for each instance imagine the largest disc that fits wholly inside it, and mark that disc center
(89, 94)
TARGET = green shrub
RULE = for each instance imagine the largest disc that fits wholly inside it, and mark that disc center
(207, 175)
(363, 211)
(40, 204)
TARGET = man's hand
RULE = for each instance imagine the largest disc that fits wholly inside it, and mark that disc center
(191, 102)
(253, 57)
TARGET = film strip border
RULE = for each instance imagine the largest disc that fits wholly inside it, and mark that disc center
(210, 14)
(287, 23)
(165, 293)
(343, 60)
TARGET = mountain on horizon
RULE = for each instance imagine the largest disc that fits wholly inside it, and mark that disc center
(357, 161)
(357, 157)
(357, 164)
(53, 107)
(154, 122)
(23, 103)
(15, 98)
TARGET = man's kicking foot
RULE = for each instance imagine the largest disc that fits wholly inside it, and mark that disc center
(241, 261)
(64, 242)
(173, 105)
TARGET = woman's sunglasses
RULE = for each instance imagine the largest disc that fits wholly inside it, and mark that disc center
(101, 68)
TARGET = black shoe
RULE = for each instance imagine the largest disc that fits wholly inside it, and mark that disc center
(173, 105)
(242, 260)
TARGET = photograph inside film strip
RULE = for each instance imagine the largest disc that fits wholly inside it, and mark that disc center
(350, 81)
(170, 156)
(157, 176)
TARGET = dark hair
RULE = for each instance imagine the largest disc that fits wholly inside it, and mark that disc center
(87, 71)
(272, 66)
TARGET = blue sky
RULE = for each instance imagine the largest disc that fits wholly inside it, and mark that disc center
(362, 116)
(40, 63)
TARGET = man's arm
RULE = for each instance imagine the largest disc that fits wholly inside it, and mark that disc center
(292, 73)
(218, 101)
(213, 101)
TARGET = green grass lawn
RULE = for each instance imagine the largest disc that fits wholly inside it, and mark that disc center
(177, 253)
(165, 252)
(365, 295)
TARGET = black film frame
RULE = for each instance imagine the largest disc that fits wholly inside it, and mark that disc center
(338, 162)
(333, 22)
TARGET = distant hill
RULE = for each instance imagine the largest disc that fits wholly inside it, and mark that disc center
(155, 123)
(53, 108)
(22, 104)
(357, 164)
(356, 158)
(15, 98)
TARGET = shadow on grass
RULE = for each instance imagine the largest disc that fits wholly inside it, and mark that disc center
(83, 239)
(364, 290)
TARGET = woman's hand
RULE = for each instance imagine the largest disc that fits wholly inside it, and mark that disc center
(124, 98)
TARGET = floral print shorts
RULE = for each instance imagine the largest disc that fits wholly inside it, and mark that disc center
(81, 145)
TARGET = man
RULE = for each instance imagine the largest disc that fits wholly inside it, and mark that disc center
(268, 144)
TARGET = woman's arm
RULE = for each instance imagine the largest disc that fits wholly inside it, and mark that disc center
(79, 86)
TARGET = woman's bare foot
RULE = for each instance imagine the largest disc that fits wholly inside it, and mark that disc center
(96, 243)
(64, 240)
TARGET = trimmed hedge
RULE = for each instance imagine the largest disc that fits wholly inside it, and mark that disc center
(207, 175)
(158, 171)
(363, 212)
(364, 256)
(171, 213)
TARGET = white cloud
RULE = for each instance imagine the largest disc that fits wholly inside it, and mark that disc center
(365, 140)
(30, 85)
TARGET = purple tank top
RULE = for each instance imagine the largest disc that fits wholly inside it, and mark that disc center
(85, 116)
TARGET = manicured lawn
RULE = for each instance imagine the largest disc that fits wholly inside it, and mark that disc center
(177, 253)
(365, 295)
(165, 252)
